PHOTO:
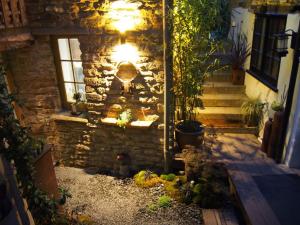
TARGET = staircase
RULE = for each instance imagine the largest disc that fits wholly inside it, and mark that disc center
(222, 105)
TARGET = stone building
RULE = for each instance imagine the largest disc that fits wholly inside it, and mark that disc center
(55, 49)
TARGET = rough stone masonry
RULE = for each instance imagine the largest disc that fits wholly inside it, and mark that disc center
(92, 143)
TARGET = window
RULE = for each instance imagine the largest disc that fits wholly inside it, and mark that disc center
(265, 62)
(70, 63)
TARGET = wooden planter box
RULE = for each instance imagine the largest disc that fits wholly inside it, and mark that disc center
(45, 177)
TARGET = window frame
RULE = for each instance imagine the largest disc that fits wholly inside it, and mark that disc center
(259, 74)
(60, 77)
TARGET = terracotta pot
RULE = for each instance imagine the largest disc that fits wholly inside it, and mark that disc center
(267, 135)
(273, 148)
(184, 138)
(45, 177)
(238, 76)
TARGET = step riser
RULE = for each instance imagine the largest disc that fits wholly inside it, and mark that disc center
(222, 102)
(233, 130)
(219, 78)
(224, 90)
(211, 116)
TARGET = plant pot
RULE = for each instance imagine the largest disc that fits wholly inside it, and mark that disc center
(185, 137)
(238, 76)
(45, 177)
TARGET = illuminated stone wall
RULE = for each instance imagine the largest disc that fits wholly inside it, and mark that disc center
(95, 23)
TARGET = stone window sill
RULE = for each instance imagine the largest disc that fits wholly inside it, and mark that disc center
(134, 124)
(67, 116)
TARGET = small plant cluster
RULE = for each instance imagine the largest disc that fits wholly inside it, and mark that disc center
(163, 201)
(253, 112)
(278, 106)
(208, 190)
(21, 149)
(124, 118)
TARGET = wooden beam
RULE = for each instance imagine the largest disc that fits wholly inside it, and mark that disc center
(16, 38)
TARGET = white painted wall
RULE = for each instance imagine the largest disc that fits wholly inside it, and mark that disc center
(292, 156)
(255, 88)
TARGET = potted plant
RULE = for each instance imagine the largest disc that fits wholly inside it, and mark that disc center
(253, 111)
(240, 51)
(278, 106)
(193, 61)
(124, 118)
(77, 97)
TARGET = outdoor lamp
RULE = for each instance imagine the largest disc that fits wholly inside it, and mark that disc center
(281, 42)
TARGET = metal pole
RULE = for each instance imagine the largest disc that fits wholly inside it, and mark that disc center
(168, 80)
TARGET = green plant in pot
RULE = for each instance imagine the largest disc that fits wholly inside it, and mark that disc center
(193, 61)
(124, 118)
(278, 106)
(77, 97)
(240, 51)
(253, 112)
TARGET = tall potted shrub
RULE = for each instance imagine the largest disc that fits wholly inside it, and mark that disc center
(239, 53)
(193, 60)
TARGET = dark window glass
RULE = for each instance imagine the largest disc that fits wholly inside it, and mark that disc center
(265, 62)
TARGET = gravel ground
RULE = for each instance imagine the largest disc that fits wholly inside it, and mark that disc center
(110, 201)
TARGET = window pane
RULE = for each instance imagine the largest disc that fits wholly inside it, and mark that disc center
(64, 50)
(75, 49)
(81, 89)
(78, 71)
(70, 90)
(67, 71)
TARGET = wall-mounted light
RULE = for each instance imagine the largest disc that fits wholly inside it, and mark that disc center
(124, 15)
(125, 52)
(281, 42)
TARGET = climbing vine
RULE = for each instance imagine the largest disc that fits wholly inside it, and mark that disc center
(19, 148)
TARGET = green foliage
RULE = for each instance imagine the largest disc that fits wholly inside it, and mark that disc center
(279, 106)
(168, 177)
(18, 147)
(210, 189)
(240, 51)
(193, 51)
(164, 201)
(124, 118)
(77, 97)
(152, 207)
(146, 179)
(253, 111)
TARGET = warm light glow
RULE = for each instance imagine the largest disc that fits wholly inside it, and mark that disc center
(124, 15)
(125, 52)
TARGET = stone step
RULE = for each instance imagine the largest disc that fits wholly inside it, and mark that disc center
(220, 77)
(223, 88)
(223, 100)
(234, 130)
(219, 113)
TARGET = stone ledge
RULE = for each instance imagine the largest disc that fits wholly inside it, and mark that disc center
(134, 124)
(67, 117)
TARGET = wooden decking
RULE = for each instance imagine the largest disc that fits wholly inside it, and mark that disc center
(255, 208)
(219, 217)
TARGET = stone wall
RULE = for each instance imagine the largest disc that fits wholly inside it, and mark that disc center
(93, 143)
(35, 79)
(80, 145)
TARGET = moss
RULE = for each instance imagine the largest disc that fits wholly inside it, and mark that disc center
(164, 201)
(152, 207)
(147, 179)
(168, 177)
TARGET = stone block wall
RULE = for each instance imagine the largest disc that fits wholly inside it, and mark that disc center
(80, 145)
(93, 143)
(35, 79)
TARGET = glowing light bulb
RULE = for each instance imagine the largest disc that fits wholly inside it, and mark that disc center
(124, 15)
(125, 52)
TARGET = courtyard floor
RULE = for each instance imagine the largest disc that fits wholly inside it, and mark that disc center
(110, 201)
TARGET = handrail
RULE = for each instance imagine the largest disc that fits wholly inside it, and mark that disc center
(12, 14)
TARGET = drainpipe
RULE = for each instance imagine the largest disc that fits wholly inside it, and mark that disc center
(291, 90)
(168, 80)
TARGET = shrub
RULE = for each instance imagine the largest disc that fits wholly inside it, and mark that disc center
(168, 177)
(164, 201)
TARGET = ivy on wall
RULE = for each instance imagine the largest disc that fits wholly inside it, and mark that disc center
(19, 148)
